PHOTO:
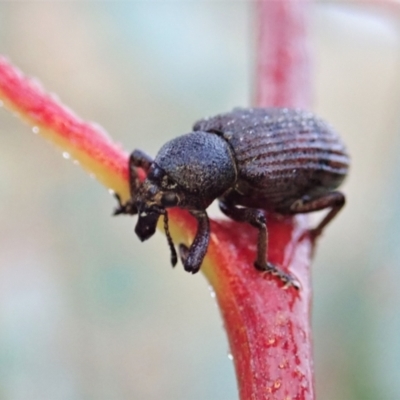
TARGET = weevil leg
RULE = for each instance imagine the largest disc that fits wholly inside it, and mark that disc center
(335, 200)
(174, 257)
(137, 159)
(257, 219)
(140, 159)
(193, 256)
(124, 208)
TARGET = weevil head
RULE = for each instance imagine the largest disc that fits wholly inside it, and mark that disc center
(199, 168)
(189, 172)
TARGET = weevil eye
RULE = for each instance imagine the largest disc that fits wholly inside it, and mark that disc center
(169, 199)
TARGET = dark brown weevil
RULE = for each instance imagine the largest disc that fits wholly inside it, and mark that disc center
(281, 160)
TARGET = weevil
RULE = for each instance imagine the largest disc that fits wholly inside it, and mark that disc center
(279, 160)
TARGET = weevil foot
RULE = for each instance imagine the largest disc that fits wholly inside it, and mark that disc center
(127, 208)
(184, 255)
(120, 209)
(287, 279)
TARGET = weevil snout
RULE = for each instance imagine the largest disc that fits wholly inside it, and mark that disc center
(149, 210)
(146, 224)
(151, 202)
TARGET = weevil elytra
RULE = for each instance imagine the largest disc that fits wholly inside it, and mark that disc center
(280, 160)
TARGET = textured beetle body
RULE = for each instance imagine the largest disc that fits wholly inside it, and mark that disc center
(282, 155)
(276, 159)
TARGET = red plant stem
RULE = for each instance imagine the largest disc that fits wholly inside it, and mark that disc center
(84, 141)
(268, 327)
(283, 60)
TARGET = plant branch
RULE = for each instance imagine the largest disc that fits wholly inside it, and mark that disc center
(267, 326)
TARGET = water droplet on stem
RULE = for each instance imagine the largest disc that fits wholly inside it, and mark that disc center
(212, 291)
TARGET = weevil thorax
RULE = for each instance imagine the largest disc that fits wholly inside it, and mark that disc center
(199, 167)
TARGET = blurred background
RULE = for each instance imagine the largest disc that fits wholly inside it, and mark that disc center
(88, 312)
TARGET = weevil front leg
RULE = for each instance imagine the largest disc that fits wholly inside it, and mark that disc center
(335, 200)
(137, 159)
(257, 219)
(193, 256)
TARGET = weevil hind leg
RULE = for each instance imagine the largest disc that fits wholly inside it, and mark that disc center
(257, 219)
(334, 200)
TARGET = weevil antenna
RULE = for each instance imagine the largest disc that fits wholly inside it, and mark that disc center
(174, 257)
